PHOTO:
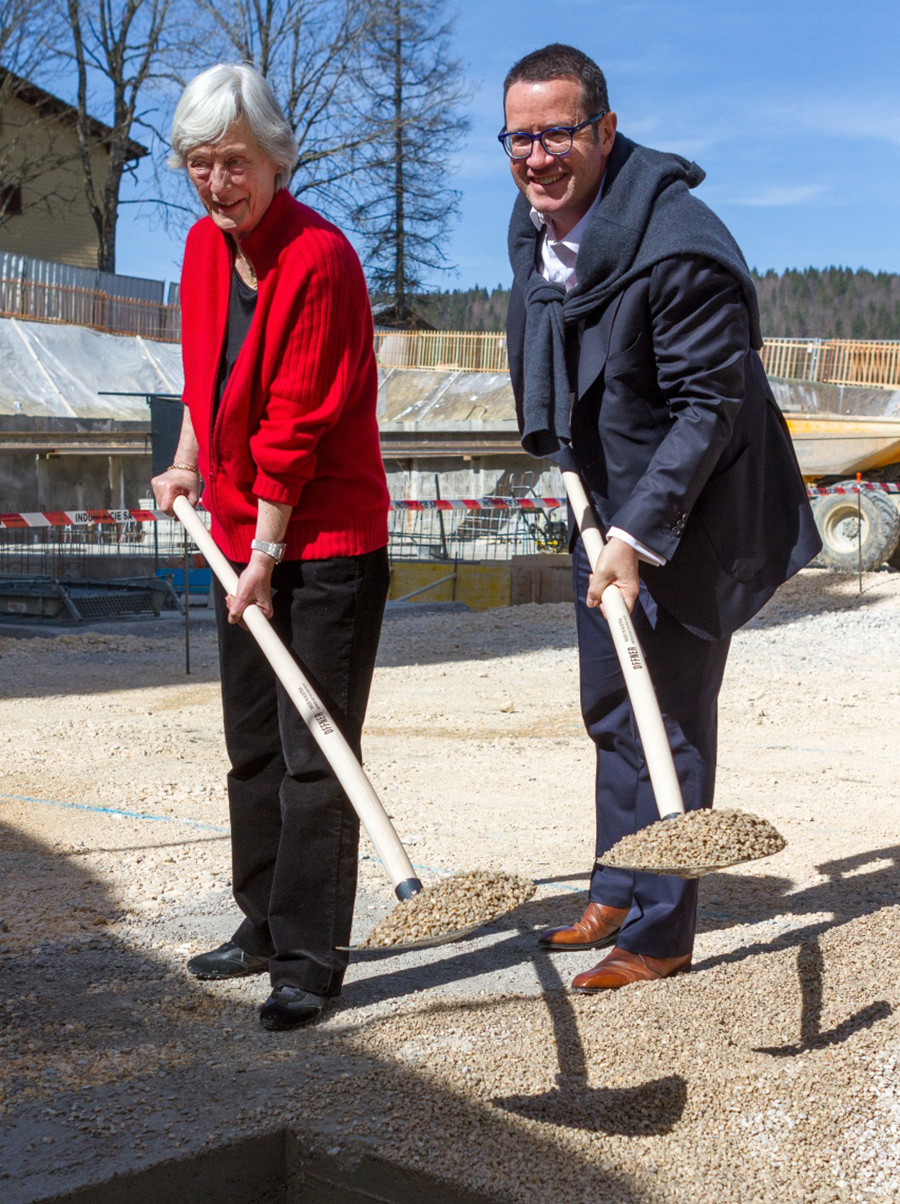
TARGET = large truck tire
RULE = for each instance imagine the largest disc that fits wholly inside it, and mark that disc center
(844, 523)
(892, 499)
(887, 503)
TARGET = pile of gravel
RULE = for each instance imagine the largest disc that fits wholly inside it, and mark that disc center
(457, 904)
(699, 840)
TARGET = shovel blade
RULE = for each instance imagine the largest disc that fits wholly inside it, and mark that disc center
(689, 871)
(426, 942)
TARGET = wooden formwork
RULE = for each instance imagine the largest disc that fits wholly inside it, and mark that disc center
(482, 586)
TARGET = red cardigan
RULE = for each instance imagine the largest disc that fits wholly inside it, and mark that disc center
(297, 420)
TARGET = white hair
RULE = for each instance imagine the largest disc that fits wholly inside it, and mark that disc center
(214, 100)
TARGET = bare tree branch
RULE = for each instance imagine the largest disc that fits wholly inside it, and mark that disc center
(118, 48)
(312, 53)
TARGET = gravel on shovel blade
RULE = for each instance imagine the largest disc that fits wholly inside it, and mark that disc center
(462, 902)
(698, 840)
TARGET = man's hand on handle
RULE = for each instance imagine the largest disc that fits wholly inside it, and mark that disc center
(617, 565)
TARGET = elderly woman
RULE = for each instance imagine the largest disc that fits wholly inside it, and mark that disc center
(279, 423)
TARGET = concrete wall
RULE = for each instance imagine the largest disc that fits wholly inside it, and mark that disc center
(90, 482)
(277, 1167)
(30, 481)
(471, 477)
(816, 398)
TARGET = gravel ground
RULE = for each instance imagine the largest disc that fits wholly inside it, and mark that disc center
(768, 1073)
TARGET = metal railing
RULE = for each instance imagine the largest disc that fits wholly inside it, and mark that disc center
(474, 535)
(93, 544)
(40, 301)
(873, 363)
(466, 351)
(81, 550)
(862, 362)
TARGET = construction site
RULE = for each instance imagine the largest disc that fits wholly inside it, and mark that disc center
(467, 1073)
(88, 416)
(449, 603)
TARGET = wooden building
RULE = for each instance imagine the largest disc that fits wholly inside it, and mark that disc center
(43, 208)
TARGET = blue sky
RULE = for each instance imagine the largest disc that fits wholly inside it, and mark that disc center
(791, 107)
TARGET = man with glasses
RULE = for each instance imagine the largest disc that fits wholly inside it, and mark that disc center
(633, 337)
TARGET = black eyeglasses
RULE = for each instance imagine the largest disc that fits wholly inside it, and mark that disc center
(555, 141)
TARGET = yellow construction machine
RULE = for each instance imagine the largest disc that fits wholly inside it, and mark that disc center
(858, 526)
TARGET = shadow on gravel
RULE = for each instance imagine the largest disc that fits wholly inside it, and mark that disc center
(820, 591)
(113, 1061)
(469, 957)
(649, 1109)
(857, 886)
(727, 901)
(811, 974)
(98, 663)
(480, 635)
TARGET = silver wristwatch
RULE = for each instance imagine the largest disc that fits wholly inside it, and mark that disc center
(275, 550)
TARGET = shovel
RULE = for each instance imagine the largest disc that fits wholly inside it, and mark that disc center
(347, 769)
(647, 714)
(340, 756)
(644, 704)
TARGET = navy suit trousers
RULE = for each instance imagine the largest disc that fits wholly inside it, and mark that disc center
(687, 673)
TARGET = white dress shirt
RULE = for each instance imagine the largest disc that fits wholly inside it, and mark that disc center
(558, 256)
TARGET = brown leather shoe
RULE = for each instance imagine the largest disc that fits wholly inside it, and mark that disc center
(621, 967)
(596, 929)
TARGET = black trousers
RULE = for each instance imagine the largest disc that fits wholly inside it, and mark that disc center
(294, 834)
(687, 674)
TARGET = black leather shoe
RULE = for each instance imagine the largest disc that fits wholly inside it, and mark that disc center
(290, 1007)
(228, 961)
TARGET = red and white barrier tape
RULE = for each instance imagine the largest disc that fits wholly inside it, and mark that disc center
(485, 503)
(854, 487)
(84, 518)
(79, 518)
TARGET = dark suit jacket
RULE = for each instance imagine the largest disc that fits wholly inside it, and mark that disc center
(681, 444)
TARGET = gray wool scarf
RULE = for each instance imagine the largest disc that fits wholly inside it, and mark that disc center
(646, 214)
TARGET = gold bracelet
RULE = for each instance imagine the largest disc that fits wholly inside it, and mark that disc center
(183, 468)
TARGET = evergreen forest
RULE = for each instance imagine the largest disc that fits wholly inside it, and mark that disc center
(826, 303)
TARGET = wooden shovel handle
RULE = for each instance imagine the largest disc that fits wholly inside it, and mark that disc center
(638, 682)
(338, 752)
